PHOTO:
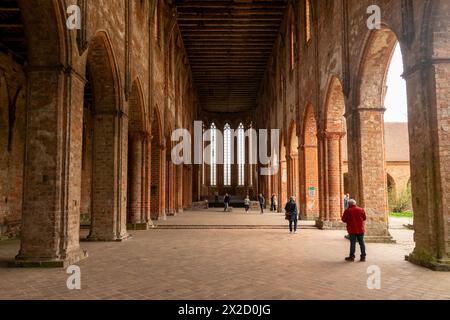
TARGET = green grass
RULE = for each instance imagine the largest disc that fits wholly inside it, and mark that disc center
(405, 214)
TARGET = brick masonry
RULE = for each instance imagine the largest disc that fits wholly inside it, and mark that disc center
(141, 82)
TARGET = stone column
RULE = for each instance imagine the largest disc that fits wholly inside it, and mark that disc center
(52, 169)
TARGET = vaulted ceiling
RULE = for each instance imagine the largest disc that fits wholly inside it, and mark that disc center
(12, 35)
(228, 45)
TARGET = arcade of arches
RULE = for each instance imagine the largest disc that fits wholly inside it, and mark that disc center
(86, 116)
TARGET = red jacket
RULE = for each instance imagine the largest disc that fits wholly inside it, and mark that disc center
(354, 217)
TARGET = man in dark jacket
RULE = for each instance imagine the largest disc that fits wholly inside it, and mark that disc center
(262, 202)
(355, 217)
(226, 202)
(292, 211)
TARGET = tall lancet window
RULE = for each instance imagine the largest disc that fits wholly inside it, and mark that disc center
(213, 154)
(241, 154)
(227, 155)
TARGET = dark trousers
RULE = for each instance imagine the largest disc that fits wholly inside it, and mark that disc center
(273, 207)
(261, 205)
(293, 223)
(362, 245)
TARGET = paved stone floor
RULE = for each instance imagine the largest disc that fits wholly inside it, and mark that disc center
(229, 264)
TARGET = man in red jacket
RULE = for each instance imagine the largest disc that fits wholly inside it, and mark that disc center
(354, 217)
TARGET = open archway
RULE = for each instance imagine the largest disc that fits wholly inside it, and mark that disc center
(367, 154)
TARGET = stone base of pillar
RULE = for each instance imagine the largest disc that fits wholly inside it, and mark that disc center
(181, 210)
(140, 226)
(35, 262)
(309, 218)
(378, 232)
(330, 225)
(98, 238)
(428, 262)
(171, 213)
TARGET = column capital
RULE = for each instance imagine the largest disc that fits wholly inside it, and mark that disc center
(332, 135)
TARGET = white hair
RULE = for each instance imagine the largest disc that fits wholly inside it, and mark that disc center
(352, 202)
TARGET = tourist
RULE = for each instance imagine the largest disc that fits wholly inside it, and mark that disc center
(247, 204)
(346, 198)
(262, 202)
(355, 217)
(226, 202)
(292, 214)
(274, 203)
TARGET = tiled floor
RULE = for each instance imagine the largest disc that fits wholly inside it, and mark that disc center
(212, 263)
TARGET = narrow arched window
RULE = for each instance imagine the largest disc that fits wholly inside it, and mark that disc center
(227, 155)
(241, 154)
(213, 154)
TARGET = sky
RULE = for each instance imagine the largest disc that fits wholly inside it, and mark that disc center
(396, 102)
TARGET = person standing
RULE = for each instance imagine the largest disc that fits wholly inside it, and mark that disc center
(292, 213)
(247, 203)
(262, 202)
(346, 198)
(355, 218)
(226, 202)
(274, 203)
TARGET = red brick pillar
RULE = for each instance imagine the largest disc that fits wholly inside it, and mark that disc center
(367, 170)
(429, 131)
(331, 196)
(310, 187)
(335, 194)
(52, 170)
(147, 179)
(109, 185)
(137, 171)
(179, 188)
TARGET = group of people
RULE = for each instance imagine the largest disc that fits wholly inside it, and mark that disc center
(353, 216)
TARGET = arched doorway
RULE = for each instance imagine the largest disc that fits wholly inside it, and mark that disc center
(310, 205)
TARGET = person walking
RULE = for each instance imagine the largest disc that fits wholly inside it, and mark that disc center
(262, 202)
(273, 203)
(292, 214)
(355, 218)
(226, 202)
(247, 204)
